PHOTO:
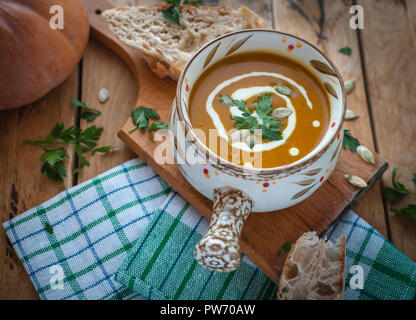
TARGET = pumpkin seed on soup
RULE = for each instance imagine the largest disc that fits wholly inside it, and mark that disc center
(281, 113)
(282, 89)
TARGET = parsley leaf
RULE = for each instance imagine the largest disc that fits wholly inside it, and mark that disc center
(271, 134)
(141, 116)
(393, 194)
(286, 248)
(399, 191)
(197, 3)
(56, 172)
(249, 122)
(264, 104)
(172, 13)
(263, 107)
(409, 212)
(346, 50)
(104, 149)
(240, 104)
(51, 157)
(89, 114)
(158, 125)
(48, 228)
(349, 141)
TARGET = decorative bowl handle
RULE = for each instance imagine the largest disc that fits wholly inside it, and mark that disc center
(219, 249)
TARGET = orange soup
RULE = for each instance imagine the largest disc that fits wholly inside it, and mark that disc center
(260, 103)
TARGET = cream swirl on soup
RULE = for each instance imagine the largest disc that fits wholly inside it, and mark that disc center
(247, 93)
(247, 77)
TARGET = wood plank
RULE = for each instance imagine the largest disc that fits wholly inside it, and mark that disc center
(104, 69)
(389, 46)
(326, 25)
(22, 185)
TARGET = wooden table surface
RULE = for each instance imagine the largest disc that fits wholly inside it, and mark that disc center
(384, 97)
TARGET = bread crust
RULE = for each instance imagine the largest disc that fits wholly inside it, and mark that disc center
(156, 61)
(340, 280)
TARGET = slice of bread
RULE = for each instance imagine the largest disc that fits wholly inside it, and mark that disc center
(165, 45)
(313, 270)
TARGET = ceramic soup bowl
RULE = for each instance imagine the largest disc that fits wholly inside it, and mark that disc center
(235, 190)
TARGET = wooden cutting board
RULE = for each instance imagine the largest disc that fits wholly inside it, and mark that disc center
(264, 234)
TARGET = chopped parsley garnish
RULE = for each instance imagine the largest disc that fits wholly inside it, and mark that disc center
(271, 127)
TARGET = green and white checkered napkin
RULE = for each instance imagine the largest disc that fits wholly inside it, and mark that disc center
(126, 235)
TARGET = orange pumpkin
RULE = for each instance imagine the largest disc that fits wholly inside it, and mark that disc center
(35, 58)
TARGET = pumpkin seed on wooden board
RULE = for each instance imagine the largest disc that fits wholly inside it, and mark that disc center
(355, 180)
(349, 86)
(103, 95)
(366, 154)
(350, 114)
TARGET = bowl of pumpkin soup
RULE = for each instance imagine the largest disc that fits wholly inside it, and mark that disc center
(258, 125)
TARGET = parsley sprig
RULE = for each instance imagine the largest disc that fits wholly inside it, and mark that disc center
(271, 127)
(172, 13)
(398, 192)
(141, 116)
(55, 145)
